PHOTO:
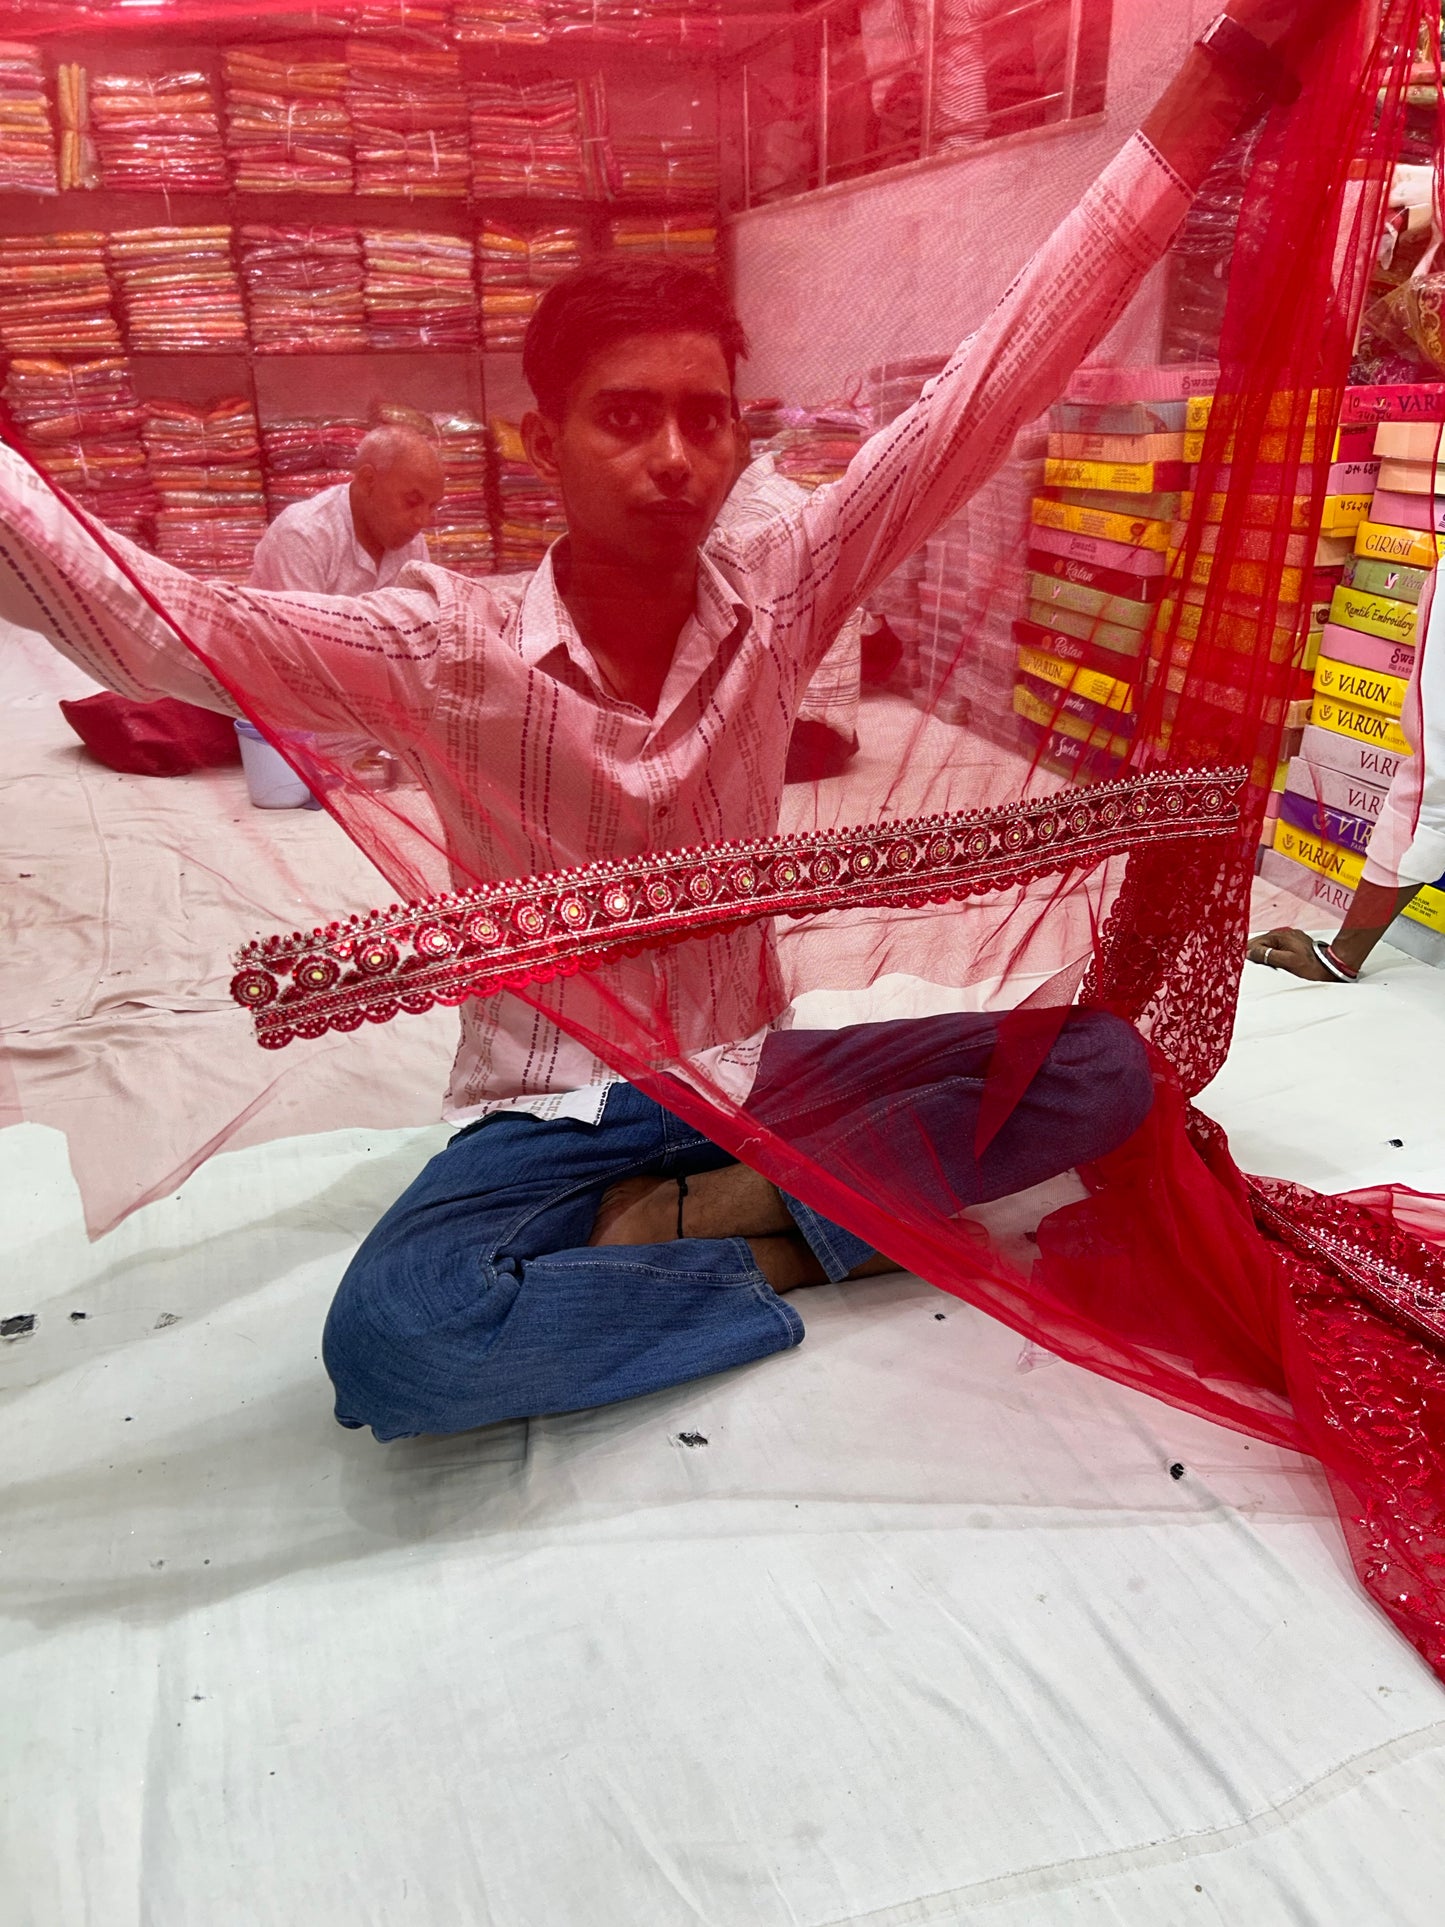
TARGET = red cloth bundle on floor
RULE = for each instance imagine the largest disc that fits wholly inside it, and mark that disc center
(163, 738)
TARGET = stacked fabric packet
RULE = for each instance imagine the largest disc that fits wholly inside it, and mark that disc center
(1335, 788)
(27, 144)
(304, 289)
(690, 26)
(288, 127)
(303, 457)
(205, 464)
(679, 170)
(409, 111)
(460, 537)
(1284, 601)
(535, 140)
(515, 266)
(689, 237)
(815, 445)
(79, 162)
(158, 131)
(526, 516)
(502, 23)
(81, 422)
(55, 295)
(1099, 543)
(418, 289)
(179, 290)
(891, 387)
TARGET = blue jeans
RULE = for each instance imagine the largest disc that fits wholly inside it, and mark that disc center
(477, 1297)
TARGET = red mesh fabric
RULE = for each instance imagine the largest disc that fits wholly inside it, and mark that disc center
(974, 855)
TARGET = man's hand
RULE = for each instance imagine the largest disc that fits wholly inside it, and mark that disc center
(1289, 950)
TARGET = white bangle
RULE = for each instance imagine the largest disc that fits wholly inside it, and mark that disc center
(1327, 957)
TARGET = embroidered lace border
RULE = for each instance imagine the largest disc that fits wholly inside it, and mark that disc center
(478, 942)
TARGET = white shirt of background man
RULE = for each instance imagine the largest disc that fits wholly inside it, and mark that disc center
(312, 547)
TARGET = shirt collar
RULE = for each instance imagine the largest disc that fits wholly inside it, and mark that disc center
(545, 627)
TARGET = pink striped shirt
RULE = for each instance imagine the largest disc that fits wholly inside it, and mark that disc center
(485, 692)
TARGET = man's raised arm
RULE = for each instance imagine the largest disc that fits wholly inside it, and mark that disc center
(307, 662)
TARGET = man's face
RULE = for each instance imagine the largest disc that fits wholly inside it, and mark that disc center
(645, 452)
(398, 502)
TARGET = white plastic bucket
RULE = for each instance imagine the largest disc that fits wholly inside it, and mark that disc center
(271, 782)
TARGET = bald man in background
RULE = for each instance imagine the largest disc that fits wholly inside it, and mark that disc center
(350, 539)
(361, 534)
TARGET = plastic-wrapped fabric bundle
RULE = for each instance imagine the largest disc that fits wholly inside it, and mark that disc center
(680, 169)
(418, 289)
(83, 421)
(178, 288)
(205, 466)
(303, 289)
(460, 536)
(532, 139)
(689, 236)
(528, 513)
(288, 127)
(409, 112)
(515, 265)
(79, 162)
(27, 143)
(158, 131)
(55, 295)
(301, 458)
(502, 23)
(946, 873)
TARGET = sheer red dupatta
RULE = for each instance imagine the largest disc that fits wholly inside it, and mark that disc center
(956, 865)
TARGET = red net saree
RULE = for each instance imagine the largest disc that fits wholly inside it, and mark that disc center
(1090, 546)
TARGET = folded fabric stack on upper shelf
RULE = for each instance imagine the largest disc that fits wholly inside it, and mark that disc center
(179, 290)
(409, 111)
(461, 536)
(27, 143)
(158, 131)
(692, 237)
(55, 295)
(527, 517)
(79, 162)
(502, 23)
(418, 290)
(205, 464)
(680, 170)
(690, 26)
(304, 289)
(288, 128)
(303, 457)
(516, 265)
(537, 139)
(426, 19)
(82, 424)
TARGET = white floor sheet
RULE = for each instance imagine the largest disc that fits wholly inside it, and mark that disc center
(910, 1625)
